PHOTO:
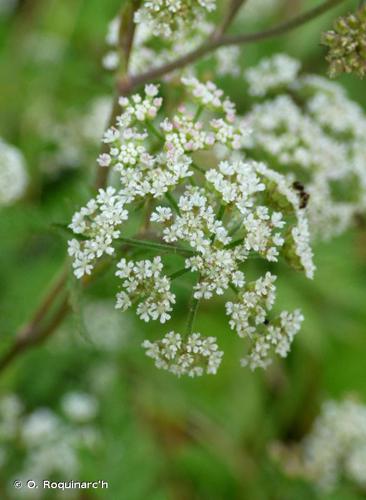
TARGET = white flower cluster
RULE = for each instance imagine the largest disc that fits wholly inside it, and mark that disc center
(314, 133)
(144, 280)
(13, 174)
(271, 74)
(207, 94)
(193, 356)
(79, 406)
(49, 442)
(204, 201)
(98, 222)
(167, 17)
(249, 317)
(106, 329)
(147, 54)
(336, 446)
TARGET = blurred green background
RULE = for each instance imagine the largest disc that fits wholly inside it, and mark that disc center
(163, 438)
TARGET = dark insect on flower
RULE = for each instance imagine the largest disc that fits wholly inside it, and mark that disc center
(304, 199)
(303, 195)
(298, 186)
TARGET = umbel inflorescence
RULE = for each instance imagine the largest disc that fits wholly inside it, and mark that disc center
(205, 201)
(334, 449)
(44, 443)
(346, 44)
(307, 128)
(167, 17)
(13, 174)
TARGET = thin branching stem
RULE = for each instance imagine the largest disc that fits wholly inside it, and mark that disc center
(172, 202)
(128, 85)
(152, 245)
(179, 273)
(192, 314)
(38, 328)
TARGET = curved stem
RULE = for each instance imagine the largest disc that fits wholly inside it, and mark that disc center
(125, 43)
(34, 335)
(179, 273)
(37, 329)
(232, 11)
(284, 27)
(215, 42)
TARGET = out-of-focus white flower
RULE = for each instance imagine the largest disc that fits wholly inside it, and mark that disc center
(41, 425)
(335, 448)
(309, 129)
(111, 60)
(168, 17)
(50, 445)
(13, 174)
(106, 328)
(79, 406)
(271, 74)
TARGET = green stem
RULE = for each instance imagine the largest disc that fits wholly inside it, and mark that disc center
(221, 212)
(192, 314)
(235, 243)
(219, 216)
(179, 273)
(151, 245)
(199, 169)
(198, 112)
(235, 229)
(172, 202)
(223, 41)
(154, 131)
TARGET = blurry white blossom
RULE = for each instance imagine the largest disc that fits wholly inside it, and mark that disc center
(271, 74)
(167, 17)
(46, 445)
(334, 449)
(13, 174)
(308, 129)
(106, 328)
(146, 54)
(79, 406)
(75, 135)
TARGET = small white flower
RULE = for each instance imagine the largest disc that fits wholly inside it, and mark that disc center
(193, 357)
